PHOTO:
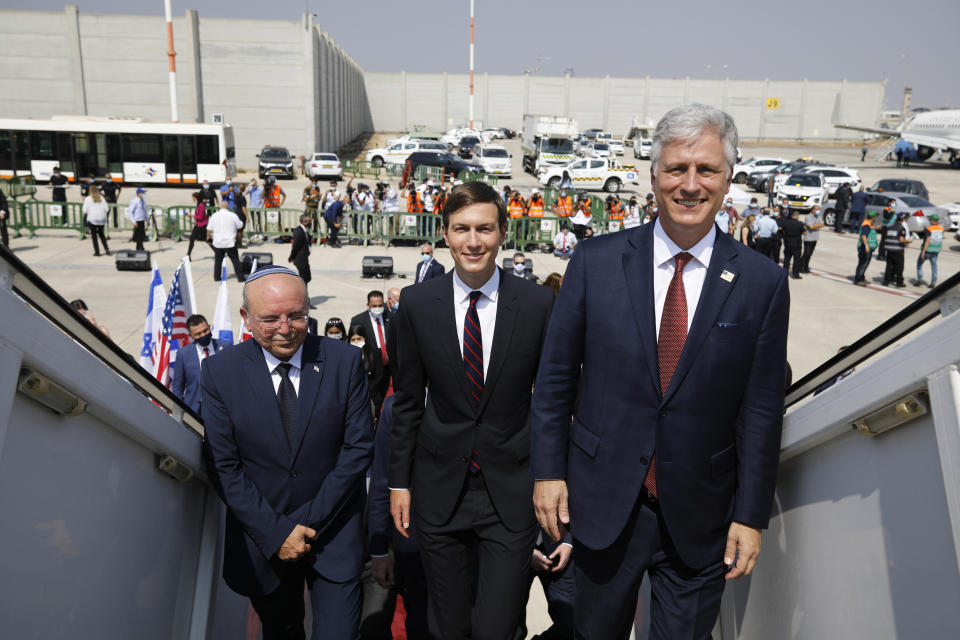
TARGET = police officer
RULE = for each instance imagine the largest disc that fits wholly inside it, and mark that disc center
(895, 241)
(111, 193)
(792, 230)
(887, 218)
(765, 231)
(932, 242)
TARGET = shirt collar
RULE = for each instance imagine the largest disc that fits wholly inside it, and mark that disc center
(664, 249)
(461, 292)
(273, 361)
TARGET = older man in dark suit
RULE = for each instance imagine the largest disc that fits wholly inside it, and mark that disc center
(427, 267)
(673, 475)
(288, 440)
(460, 455)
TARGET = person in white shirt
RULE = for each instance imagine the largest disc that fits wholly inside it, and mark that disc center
(222, 230)
(564, 243)
(95, 210)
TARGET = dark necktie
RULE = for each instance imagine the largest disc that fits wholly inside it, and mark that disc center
(287, 396)
(473, 361)
(673, 335)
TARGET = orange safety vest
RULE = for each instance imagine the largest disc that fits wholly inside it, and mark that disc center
(565, 206)
(536, 207)
(271, 198)
(515, 208)
(438, 201)
(616, 211)
(414, 204)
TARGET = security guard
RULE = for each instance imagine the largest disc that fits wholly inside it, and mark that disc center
(895, 241)
(887, 217)
(311, 201)
(766, 230)
(793, 230)
(932, 243)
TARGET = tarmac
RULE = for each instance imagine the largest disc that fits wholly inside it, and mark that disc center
(827, 310)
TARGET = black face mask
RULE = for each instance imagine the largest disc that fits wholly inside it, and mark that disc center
(204, 341)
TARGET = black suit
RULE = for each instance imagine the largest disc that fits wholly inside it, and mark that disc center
(461, 527)
(433, 270)
(300, 252)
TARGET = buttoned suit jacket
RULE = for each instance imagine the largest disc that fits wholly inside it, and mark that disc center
(716, 432)
(434, 270)
(300, 252)
(186, 373)
(268, 485)
(432, 438)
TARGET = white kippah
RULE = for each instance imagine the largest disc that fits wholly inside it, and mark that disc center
(270, 269)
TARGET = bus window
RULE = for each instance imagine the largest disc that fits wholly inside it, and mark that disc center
(142, 147)
(207, 150)
(65, 152)
(172, 154)
(188, 159)
(21, 150)
(43, 145)
(6, 151)
(114, 154)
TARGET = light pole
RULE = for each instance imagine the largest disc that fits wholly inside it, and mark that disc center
(172, 56)
(471, 64)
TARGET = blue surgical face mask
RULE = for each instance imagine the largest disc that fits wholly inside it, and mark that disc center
(395, 307)
(426, 257)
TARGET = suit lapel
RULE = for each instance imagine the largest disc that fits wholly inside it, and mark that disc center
(311, 374)
(449, 336)
(507, 311)
(261, 390)
(712, 298)
(638, 271)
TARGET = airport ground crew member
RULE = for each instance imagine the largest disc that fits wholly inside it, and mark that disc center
(867, 240)
(895, 241)
(932, 243)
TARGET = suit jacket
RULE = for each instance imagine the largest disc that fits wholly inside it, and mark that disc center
(300, 251)
(186, 373)
(433, 437)
(716, 433)
(269, 486)
(382, 535)
(434, 270)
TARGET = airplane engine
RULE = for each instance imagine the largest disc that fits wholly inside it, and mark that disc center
(924, 153)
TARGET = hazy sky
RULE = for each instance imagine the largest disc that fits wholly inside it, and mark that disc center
(916, 41)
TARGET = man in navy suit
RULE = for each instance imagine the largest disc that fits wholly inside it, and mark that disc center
(667, 466)
(289, 437)
(428, 267)
(186, 369)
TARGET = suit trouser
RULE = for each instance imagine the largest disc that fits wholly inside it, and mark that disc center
(561, 591)
(792, 251)
(139, 234)
(684, 601)
(335, 606)
(808, 247)
(231, 252)
(774, 249)
(379, 604)
(477, 569)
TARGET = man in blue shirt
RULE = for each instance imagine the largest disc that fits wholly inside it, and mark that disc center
(255, 203)
(138, 214)
(858, 208)
(333, 215)
(227, 196)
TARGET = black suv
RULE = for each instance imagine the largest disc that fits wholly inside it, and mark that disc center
(452, 165)
(467, 145)
(902, 185)
(275, 161)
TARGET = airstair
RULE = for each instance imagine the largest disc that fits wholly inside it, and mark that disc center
(881, 153)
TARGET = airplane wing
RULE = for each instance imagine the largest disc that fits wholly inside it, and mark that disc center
(940, 143)
(890, 133)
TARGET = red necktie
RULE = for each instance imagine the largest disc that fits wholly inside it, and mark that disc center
(673, 334)
(473, 361)
(383, 343)
(205, 352)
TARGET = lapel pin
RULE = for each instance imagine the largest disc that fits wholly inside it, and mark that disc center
(728, 276)
(316, 368)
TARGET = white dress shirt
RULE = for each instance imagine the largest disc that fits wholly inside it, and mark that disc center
(209, 349)
(383, 325)
(423, 269)
(486, 310)
(294, 373)
(694, 275)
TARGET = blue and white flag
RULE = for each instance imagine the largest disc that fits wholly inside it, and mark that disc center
(156, 299)
(222, 326)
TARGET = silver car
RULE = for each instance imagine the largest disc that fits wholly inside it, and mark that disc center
(916, 208)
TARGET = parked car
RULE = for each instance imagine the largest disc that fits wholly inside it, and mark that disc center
(494, 159)
(642, 147)
(275, 161)
(325, 165)
(510, 134)
(451, 164)
(616, 146)
(492, 134)
(953, 210)
(836, 176)
(742, 171)
(597, 150)
(758, 180)
(916, 208)
(902, 185)
(400, 150)
(803, 190)
(591, 134)
(467, 144)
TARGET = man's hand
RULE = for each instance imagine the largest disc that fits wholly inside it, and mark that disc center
(561, 557)
(550, 503)
(540, 562)
(383, 571)
(400, 510)
(296, 544)
(743, 545)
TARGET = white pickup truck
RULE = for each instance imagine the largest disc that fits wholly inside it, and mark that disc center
(589, 173)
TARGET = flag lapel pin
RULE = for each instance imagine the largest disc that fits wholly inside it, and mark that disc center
(728, 276)
(316, 368)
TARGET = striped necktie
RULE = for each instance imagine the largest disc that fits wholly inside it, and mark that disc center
(473, 361)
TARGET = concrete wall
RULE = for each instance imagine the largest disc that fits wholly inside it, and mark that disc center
(277, 82)
(440, 101)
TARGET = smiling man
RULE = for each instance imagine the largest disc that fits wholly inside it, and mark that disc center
(672, 476)
(460, 455)
(287, 455)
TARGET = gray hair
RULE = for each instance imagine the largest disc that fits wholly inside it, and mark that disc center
(690, 121)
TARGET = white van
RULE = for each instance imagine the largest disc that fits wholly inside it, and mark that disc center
(399, 151)
(494, 159)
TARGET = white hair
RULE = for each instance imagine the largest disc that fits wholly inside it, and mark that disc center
(689, 122)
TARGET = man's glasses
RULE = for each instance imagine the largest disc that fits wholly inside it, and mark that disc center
(274, 323)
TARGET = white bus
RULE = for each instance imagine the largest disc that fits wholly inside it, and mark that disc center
(129, 149)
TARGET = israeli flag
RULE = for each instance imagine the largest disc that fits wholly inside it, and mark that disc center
(156, 299)
(222, 326)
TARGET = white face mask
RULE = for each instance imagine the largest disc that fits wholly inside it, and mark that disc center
(359, 345)
(335, 336)
(519, 269)
(376, 311)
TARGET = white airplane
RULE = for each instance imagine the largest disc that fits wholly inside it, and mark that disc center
(929, 131)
